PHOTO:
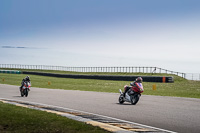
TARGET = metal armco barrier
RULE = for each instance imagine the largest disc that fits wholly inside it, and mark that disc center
(95, 69)
(161, 79)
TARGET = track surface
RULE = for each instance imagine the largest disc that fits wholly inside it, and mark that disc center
(170, 113)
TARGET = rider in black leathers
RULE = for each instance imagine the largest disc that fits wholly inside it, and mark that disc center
(27, 78)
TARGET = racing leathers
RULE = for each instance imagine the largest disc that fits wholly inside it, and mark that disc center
(135, 86)
(24, 80)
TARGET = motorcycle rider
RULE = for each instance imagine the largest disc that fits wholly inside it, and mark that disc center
(27, 78)
(133, 84)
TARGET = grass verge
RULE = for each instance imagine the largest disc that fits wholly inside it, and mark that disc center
(25, 120)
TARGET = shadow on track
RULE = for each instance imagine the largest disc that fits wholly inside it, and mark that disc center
(16, 96)
(124, 104)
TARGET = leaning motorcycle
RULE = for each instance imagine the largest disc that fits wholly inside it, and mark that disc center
(25, 89)
(132, 95)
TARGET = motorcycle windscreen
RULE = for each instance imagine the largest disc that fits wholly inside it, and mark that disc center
(139, 88)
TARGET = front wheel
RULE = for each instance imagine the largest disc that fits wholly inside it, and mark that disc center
(135, 98)
(26, 92)
(121, 99)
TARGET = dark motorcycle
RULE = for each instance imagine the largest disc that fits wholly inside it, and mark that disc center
(25, 89)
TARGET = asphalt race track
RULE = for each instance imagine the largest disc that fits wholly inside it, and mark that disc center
(169, 113)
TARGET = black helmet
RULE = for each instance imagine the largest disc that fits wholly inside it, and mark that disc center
(27, 78)
(139, 80)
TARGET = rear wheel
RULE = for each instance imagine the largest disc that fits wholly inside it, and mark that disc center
(121, 99)
(21, 92)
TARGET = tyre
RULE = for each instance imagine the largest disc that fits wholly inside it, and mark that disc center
(135, 98)
(26, 92)
(121, 99)
(22, 93)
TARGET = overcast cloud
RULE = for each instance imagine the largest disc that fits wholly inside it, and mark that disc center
(101, 33)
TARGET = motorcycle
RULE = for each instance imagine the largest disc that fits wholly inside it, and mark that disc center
(132, 95)
(25, 89)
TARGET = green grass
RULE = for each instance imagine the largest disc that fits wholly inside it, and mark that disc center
(24, 120)
(180, 88)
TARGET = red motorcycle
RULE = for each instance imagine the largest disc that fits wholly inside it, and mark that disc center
(132, 95)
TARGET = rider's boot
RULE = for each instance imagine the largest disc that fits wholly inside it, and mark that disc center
(124, 94)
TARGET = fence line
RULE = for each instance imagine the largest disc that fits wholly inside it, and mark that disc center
(95, 69)
(192, 76)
